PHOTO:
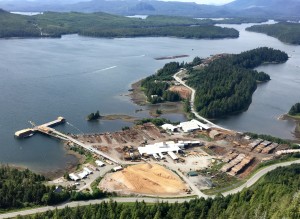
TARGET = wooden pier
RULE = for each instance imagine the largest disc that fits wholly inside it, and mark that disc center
(30, 131)
(48, 130)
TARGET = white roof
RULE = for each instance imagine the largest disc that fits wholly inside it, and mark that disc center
(200, 124)
(172, 155)
(195, 142)
(118, 168)
(169, 127)
(155, 156)
(99, 163)
(161, 147)
(160, 144)
(83, 174)
(188, 126)
(192, 125)
(73, 177)
(170, 142)
(161, 155)
(87, 170)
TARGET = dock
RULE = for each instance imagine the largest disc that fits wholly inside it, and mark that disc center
(48, 130)
(31, 131)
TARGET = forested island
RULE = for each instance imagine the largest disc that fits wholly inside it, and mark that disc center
(54, 24)
(276, 195)
(93, 116)
(223, 85)
(284, 31)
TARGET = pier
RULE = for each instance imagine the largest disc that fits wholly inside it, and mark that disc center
(48, 130)
(31, 131)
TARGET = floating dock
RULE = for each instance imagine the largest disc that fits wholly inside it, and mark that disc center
(25, 133)
(31, 131)
(46, 129)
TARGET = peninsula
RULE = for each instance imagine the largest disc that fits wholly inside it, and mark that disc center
(224, 83)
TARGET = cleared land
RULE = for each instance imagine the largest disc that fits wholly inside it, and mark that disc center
(183, 91)
(151, 179)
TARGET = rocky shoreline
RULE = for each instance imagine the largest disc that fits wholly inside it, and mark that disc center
(296, 132)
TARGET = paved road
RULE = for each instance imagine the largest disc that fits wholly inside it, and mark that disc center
(86, 146)
(178, 79)
(258, 175)
(250, 182)
(84, 203)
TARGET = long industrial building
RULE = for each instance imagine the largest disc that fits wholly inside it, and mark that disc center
(186, 127)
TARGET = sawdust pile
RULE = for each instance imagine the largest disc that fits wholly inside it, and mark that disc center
(151, 179)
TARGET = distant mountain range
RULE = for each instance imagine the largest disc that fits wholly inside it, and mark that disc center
(277, 9)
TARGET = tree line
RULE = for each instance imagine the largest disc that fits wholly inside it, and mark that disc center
(19, 189)
(276, 195)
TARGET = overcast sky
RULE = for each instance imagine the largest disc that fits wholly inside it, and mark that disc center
(213, 2)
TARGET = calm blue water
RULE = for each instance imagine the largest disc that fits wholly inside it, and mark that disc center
(41, 79)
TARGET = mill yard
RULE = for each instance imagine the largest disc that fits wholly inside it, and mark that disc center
(201, 157)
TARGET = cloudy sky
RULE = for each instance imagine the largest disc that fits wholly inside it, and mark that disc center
(214, 2)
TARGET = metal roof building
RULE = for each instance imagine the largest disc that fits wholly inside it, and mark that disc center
(169, 127)
(161, 147)
(192, 125)
(100, 163)
(74, 177)
(83, 174)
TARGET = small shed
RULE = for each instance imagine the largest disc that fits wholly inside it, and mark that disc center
(192, 173)
(118, 168)
(100, 163)
(214, 133)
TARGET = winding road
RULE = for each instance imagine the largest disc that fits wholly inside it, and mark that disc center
(192, 100)
(249, 183)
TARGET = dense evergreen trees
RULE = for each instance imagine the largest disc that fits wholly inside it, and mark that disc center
(295, 110)
(52, 24)
(23, 189)
(222, 87)
(156, 86)
(12, 25)
(284, 31)
(226, 85)
(199, 32)
(276, 195)
(93, 116)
